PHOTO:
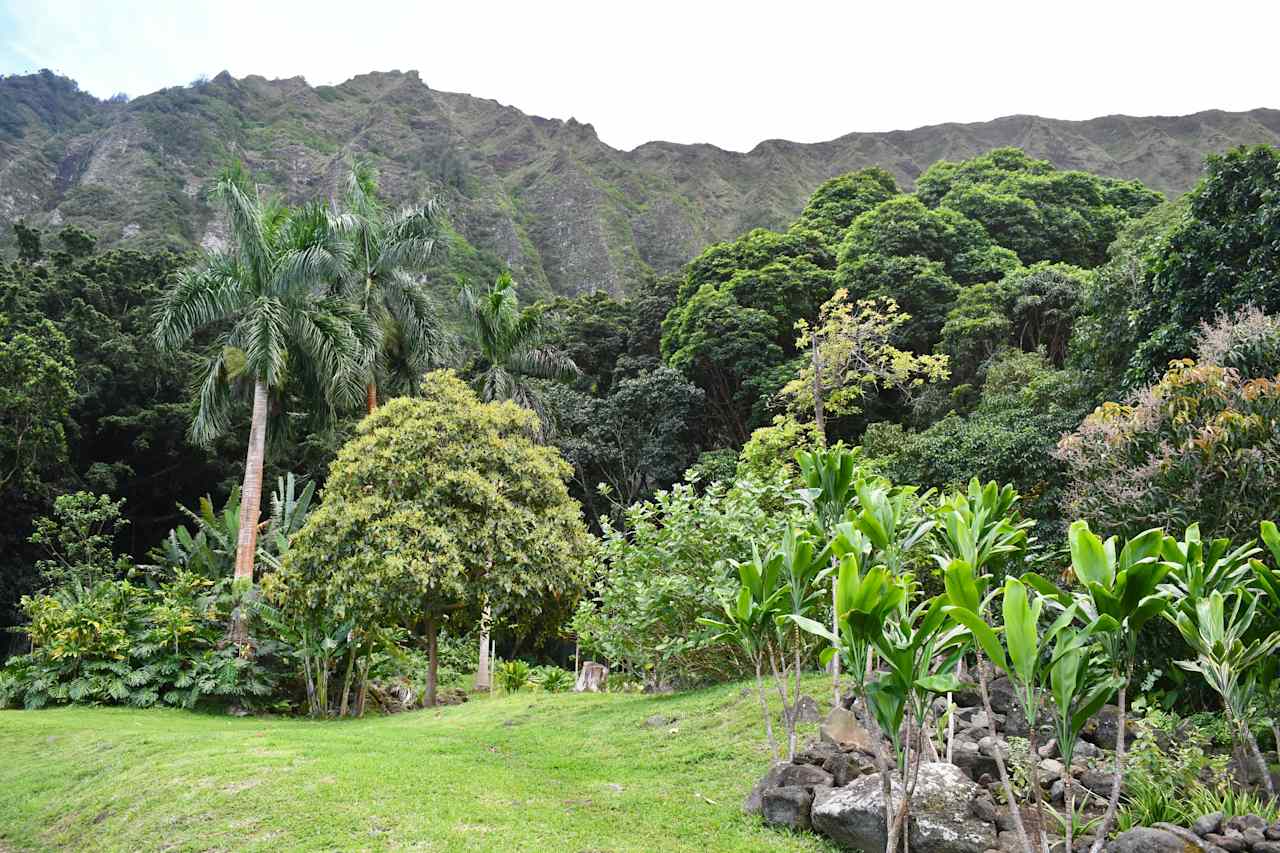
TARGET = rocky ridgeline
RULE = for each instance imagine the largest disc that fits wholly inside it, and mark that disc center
(833, 787)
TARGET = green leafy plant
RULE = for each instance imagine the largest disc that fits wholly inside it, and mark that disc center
(553, 679)
(513, 675)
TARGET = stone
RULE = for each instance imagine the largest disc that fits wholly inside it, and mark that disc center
(843, 729)
(942, 818)
(1273, 831)
(1230, 843)
(787, 806)
(1002, 695)
(1084, 749)
(1104, 727)
(984, 808)
(803, 775)
(1192, 840)
(807, 710)
(844, 768)
(1146, 839)
(817, 752)
(971, 760)
(1254, 836)
(1097, 781)
(659, 721)
(1267, 846)
(1248, 821)
(754, 803)
(1052, 767)
(1049, 750)
(988, 746)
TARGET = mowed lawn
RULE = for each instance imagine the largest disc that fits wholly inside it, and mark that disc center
(565, 773)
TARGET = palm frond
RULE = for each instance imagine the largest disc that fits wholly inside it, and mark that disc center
(239, 197)
(207, 293)
(213, 396)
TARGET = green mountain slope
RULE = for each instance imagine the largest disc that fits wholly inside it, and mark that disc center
(547, 197)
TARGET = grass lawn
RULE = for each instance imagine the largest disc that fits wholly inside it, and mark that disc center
(529, 771)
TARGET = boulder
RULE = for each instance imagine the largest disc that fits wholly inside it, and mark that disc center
(787, 806)
(844, 768)
(1002, 695)
(942, 814)
(1147, 839)
(966, 755)
(843, 729)
(1189, 838)
(1105, 725)
(807, 710)
(754, 803)
(817, 752)
(803, 775)
(1206, 824)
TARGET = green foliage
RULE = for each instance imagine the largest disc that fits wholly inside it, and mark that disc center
(1024, 407)
(551, 679)
(837, 202)
(1199, 446)
(513, 675)
(1219, 257)
(1034, 209)
(36, 394)
(118, 643)
(79, 539)
(668, 563)
(437, 505)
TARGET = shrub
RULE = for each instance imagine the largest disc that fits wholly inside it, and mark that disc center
(666, 565)
(513, 675)
(553, 679)
(1201, 445)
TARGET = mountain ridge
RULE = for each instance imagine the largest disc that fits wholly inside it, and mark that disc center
(565, 210)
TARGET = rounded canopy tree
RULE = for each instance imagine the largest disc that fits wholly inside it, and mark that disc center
(437, 505)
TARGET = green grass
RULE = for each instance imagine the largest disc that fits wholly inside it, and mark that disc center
(528, 771)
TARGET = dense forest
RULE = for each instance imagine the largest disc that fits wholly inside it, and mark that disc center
(1105, 350)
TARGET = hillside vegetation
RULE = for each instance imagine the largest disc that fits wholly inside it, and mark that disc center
(566, 212)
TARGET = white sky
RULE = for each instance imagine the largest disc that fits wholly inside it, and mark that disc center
(731, 73)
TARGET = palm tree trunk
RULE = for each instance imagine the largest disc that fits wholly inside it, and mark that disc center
(251, 502)
(371, 397)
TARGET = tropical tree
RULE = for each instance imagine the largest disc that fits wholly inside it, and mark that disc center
(262, 299)
(389, 248)
(439, 505)
(510, 347)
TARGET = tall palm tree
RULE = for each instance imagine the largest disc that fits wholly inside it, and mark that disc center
(388, 247)
(509, 345)
(262, 298)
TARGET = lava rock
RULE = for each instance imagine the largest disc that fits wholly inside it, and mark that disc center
(787, 806)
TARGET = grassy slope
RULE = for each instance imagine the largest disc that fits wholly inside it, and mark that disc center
(523, 772)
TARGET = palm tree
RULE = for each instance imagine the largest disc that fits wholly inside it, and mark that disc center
(510, 349)
(262, 298)
(510, 345)
(387, 248)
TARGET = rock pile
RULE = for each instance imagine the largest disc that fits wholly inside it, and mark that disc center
(1212, 833)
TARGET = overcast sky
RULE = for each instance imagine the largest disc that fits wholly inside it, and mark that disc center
(730, 73)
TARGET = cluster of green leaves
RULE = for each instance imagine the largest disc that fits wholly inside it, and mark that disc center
(667, 563)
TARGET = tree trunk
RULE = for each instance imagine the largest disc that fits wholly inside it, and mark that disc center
(1251, 743)
(250, 503)
(1014, 811)
(819, 419)
(483, 677)
(371, 397)
(1113, 803)
(433, 636)
(764, 709)
(835, 629)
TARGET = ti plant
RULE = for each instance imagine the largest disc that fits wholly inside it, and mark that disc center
(979, 531)
(1267, 580)
(1125, 587)
(829, 482)
(749, 622)
(1021, 655)
(1080, 682)
(1226, 657)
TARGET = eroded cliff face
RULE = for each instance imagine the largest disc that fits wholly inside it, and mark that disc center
(568, 213)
